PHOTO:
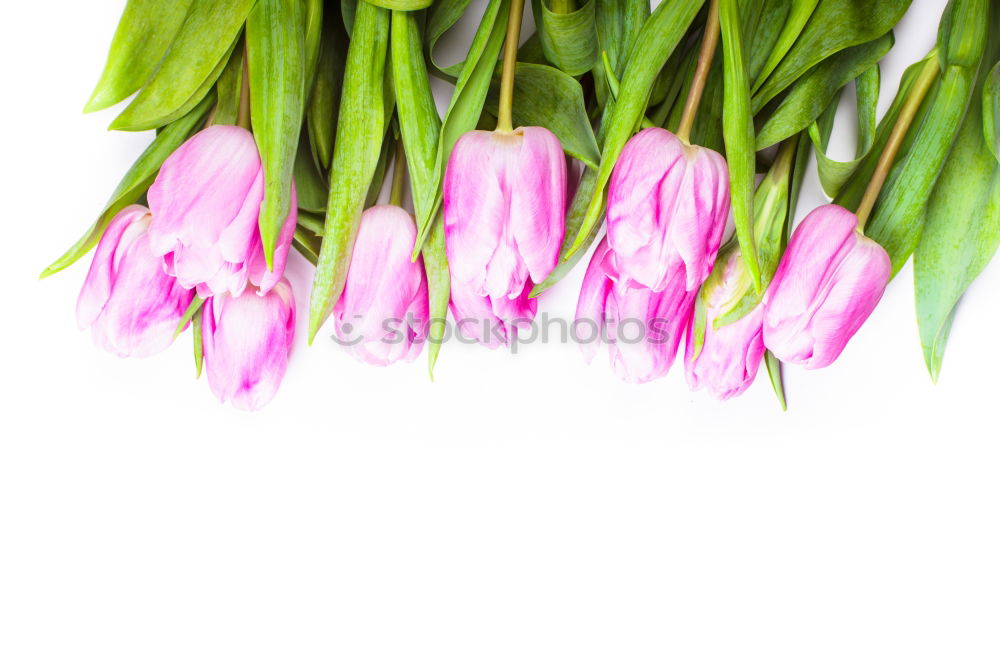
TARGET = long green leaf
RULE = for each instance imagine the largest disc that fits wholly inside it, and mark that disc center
(568, 39)
(135, 182)
(191, 66)
(991, 111)
(796, 19)
(146, 30)
(656, 41)
(276, 51)
(833, 26)
(738, 130)
(355, 157)
(813, 91)
(324, 103)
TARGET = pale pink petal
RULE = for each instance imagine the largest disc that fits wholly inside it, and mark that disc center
(538, 200)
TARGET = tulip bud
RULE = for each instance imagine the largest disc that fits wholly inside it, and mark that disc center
(206, 202)
(131, 306)
(724, 356)
(668, 202)
(504, 219)
(642, 327)
(829, 281)
(382, 314)
(246, 341)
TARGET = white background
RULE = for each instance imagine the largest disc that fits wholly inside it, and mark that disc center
(523, 509)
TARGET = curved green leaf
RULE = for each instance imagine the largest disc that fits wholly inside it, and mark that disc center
(814, 90)
(991, 111)
(833, 26)
(568, 39)
(276, 51)
(796, 19)
(402, 5)
(191, 66)
(135, 182)
(146, 30)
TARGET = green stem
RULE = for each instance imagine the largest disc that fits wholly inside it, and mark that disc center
(505, 116)
(398, 175)
(243, 116)
(709, 45)
(928, 75)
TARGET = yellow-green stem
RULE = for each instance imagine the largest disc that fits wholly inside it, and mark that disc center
(505, 121)
(928, 74)
(709, 45)
(398, 175)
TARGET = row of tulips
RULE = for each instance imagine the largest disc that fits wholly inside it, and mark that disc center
(200, 253)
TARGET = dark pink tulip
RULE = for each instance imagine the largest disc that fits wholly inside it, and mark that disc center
(730, 355)
(668, 202)
(504, 216)
(382, 314)
(827, 284)
(205, 202)
(246, 341)
(642, 327)
(131, 306)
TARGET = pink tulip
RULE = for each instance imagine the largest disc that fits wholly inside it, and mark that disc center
(827, 284)
(504, 217)
(642, 327)
(246, 341)
(382, 314)
(493, 322)
(206, 201)
(131, 306)
(729, 355)
(667, 208)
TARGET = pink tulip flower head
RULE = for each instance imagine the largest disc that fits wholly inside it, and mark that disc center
(829, 281)
(382, 314)
(504, 219)
(246, 341)
(642, 327)
(668, 202)
(206, 201)
(131, 306)
(724, 356)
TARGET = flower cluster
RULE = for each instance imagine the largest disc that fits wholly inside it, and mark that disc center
(282, 143)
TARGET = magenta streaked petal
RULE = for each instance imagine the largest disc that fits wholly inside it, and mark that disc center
(258, 272)
(538, 200)
(588, 326)
(246, 342)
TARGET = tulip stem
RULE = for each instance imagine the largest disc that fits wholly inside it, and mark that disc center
(505, 121)
(243, 115)
(709, 45)
(398, 175)
(928, 75)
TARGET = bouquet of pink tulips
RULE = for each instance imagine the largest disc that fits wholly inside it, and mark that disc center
(639, 131)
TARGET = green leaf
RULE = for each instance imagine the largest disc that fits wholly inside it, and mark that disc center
(420, 128)
(193, 309)
(737, 125)
(228, 90)
(467, 100)
(191, 66)
(867, 86)
(324, 103)
(961, 232)
(314, 22)
(811, 94)
(618, 23)
(403, 5)
(546, 97)
(145, 32)
(569, 40)
(765, 33)
(311, 188)
(199, 352)
(793, 24)
(658, 38)
(991, 111)
(774, 373)
(277, 57)
(355, 158)
(443, 17)
(834, 26)
(135, 182)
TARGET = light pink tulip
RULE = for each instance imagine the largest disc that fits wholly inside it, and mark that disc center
(668, 202)
(642, 328)
(504, 216)
(205, 202)
(827, 284)
(131, 306)
(493, 322)
(730, 355)
(246, 341)
(382, 314)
